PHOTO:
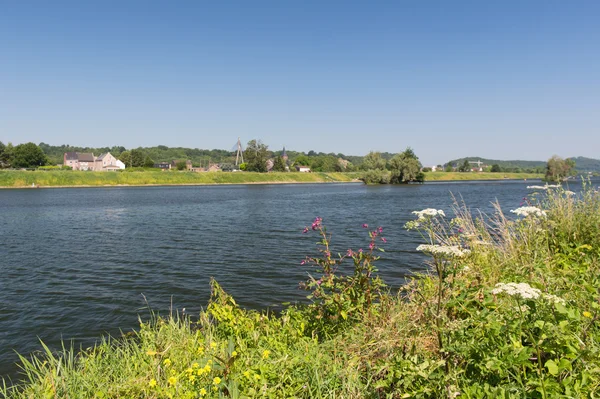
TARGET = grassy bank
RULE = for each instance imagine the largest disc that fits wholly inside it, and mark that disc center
(510, 308)
(61, 178)
(57, 178)
(450, 176)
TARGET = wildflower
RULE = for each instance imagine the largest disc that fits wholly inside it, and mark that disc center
(152, 383)
(305, 230)
(444, 250)
(151, 353)
(554, 298)
(207, 368)
(216, 381)
(233, 354)
(523, 290)
(195, 365)
(303, 263)
(569, 193)
(380, 229)
(429, 212)
(172, 381)
(371, 246)
(349, 253)
(529, 210)
(317, 223)
(384, 240)
(256, 377)
(189, 370)
(246, 374)
(203, 392)
(266, 353)
(587, 314)
(192, 378)
(167, 362)
(200, 350)
(213, 345)
(365, 226)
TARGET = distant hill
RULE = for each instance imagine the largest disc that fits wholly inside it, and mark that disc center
(506, 166)
(582, 164)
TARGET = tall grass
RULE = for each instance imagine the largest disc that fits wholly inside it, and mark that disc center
(459, 329)
(54, 178)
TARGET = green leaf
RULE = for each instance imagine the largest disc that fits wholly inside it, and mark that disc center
(552, 367)
(344, 314)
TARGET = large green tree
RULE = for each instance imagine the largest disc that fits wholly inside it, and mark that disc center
(28, 155)
(256, 156)
(278, 164)
(557, 168)
(373, 160)
(4, 156)
(405, 168)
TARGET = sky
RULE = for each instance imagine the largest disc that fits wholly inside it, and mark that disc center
(501, 80)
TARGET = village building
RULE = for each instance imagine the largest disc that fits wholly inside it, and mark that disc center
(87, 161)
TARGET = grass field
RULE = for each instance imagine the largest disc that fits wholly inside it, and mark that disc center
(79, 178)
(61, 178)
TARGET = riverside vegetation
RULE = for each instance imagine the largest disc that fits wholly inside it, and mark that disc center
(509, 307)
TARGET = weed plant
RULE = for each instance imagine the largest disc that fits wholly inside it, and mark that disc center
(509, 308)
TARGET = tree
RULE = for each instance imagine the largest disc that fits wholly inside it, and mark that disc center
(495, 168)
(137, 158)
(374, 160)
(302, 160)
(405, 167)
(181, 165)
(465, 167)
(278, 164)
(28, 155)
(557, 168)
(148, 162)
(256, 156)
(448, 168)
(4, 156)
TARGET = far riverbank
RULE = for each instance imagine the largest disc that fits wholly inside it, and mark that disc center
(60, 178)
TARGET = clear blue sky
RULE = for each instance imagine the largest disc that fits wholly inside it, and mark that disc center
(503, 79)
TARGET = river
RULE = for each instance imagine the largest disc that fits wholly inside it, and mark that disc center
(78, 263)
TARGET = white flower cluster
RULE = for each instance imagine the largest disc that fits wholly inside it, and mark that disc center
(529, 210)
(569, 193)
(430, 212)
(444, 250)
(523, 290)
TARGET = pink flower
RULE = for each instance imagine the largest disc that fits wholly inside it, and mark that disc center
(371, 246)
(365, 226)
(305, 230)
(360, 251)
(383, 239)
(380, 229)
(303, 262)
(317, 223)
(349, 253)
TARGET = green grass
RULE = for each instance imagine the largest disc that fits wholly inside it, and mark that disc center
(55, 178)
(447, 333)
(442, 176)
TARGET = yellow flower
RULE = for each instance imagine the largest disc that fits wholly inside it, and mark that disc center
(172, 380)
(233, 354)
(167, 362)
(202, 392)
(256, 377)
(216, 380)
(207, 368)
(213, 345)
(195, 365)
(247, 374)
(587, 314)
(151, 353)
(189, 370)
(266, 353)
(192, 378)
(152, 383)
(201, 371)
(200, 350)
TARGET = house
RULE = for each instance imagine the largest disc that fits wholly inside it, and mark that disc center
(163, 165)
(106, 161)
(214, 168)
(303, 169)
(87, 161)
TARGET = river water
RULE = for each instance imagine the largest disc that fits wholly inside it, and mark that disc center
(77, 263)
